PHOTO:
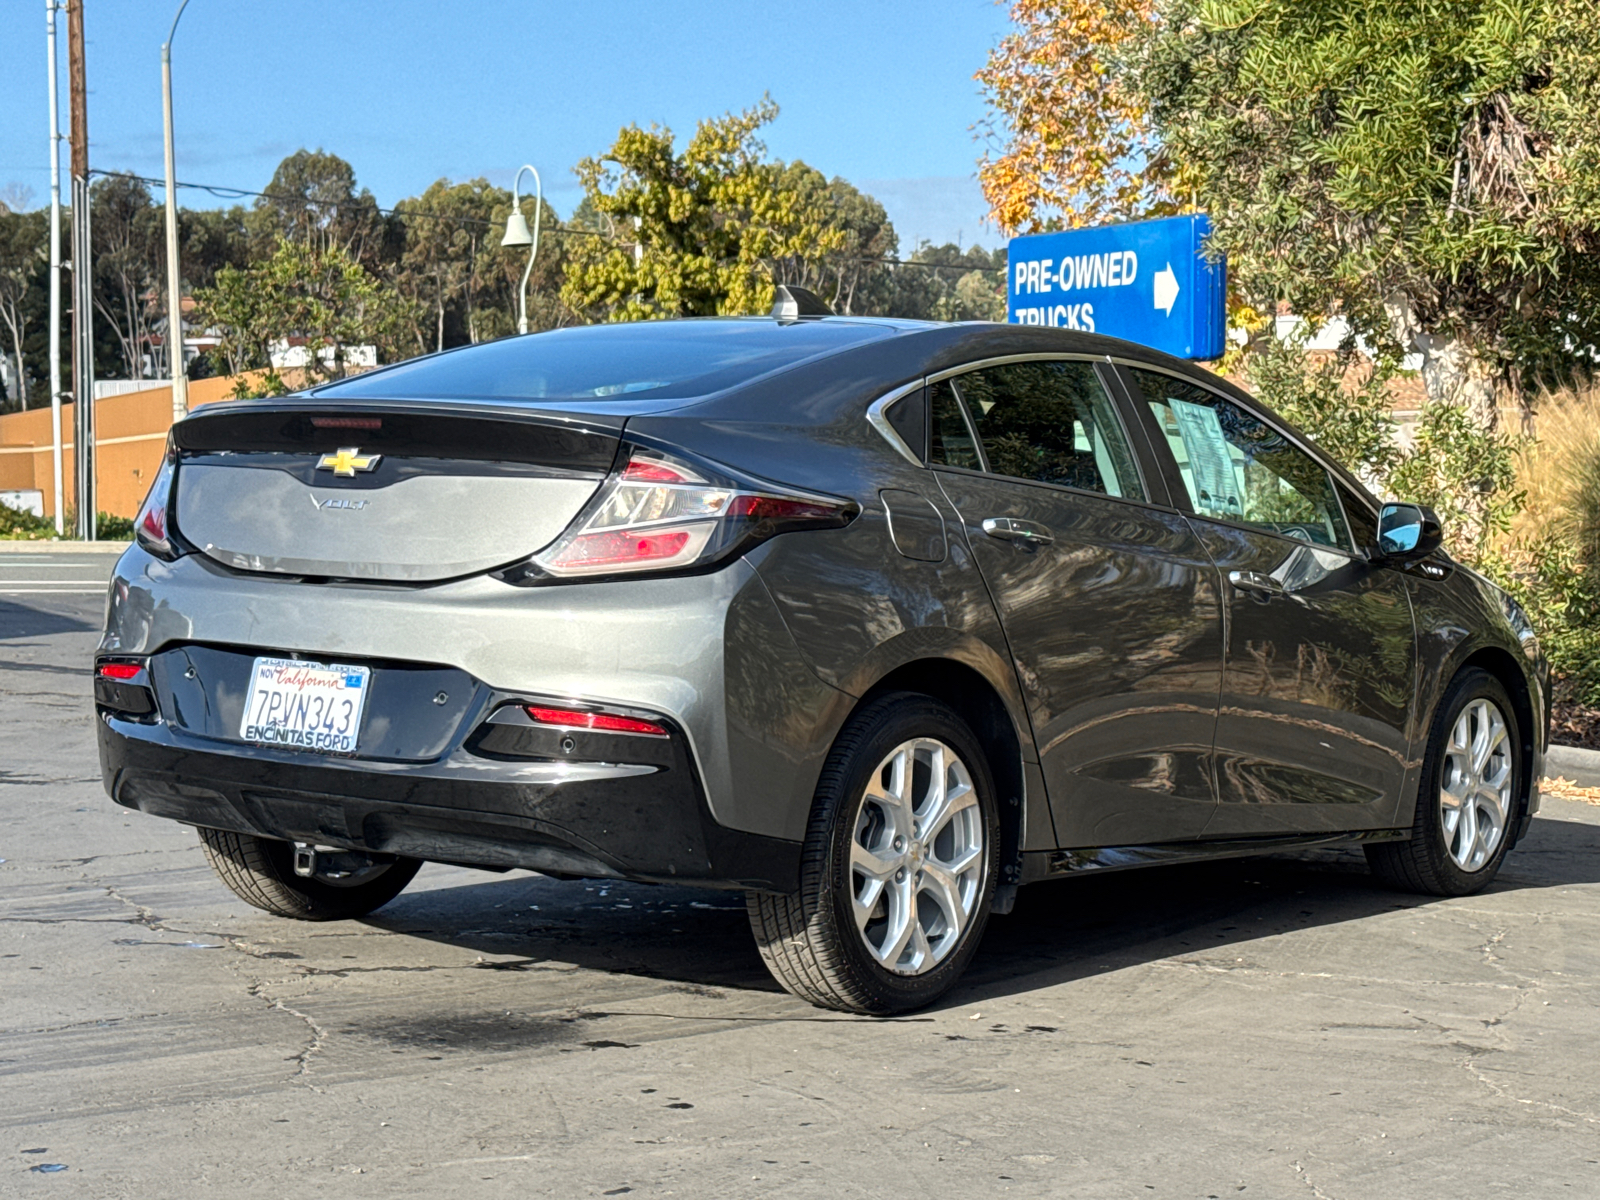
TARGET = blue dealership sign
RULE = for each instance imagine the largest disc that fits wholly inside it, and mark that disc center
(1146, 281)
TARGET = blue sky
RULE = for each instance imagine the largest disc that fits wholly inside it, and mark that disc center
(409, 91)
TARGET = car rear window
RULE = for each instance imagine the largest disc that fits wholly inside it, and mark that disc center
(646, 360)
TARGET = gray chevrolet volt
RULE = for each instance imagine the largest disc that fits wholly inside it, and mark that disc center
(872, 620)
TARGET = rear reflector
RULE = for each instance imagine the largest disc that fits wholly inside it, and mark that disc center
(780, 508)
(572, 718)
(621, 549)
(118, 670)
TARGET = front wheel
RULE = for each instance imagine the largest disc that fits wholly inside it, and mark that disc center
(260, 871)
(899, 865)
(1468, 798)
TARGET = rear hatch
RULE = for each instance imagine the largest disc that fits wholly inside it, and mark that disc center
(400, 492)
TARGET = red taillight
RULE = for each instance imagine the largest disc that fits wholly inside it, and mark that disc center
(662, 513)
(643, 470)
(118, 670)
(572, 718)
(154, 522)
(347, 422)
(151, 526)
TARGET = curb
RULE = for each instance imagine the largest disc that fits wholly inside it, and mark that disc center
(12, 546)
(1574, 763)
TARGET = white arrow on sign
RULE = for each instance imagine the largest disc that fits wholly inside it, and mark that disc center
(1166, 289)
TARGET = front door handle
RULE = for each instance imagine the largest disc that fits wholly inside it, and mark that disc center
(1010, 529)
(1255, 581)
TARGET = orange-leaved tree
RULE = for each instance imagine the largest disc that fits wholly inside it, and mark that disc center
(1070, 143)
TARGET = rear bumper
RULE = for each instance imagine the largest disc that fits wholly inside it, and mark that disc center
(707, 652)
(636, 821)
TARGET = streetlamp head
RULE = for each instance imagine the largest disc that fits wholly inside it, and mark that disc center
(517, 230)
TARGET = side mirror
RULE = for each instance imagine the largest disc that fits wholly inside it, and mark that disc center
(1408, 532)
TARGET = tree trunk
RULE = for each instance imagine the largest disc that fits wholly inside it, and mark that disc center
(22, 377)
(111, 320)
(13, 321)
(1453, 372)
(472, 289)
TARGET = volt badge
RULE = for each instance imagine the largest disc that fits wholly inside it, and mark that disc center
(347, 461)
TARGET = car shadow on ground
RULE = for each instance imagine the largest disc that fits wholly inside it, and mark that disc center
(1059, 932)
(18, 621)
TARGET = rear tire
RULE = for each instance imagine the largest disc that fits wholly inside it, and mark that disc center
(260, 871)
(1469, 799)
(899, 864)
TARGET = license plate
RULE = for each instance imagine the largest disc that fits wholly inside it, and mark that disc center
(313, 706)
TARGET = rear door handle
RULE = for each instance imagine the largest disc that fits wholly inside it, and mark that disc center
(1255, 581)
(1010, 529)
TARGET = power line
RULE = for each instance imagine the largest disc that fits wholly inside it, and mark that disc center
(232, 193)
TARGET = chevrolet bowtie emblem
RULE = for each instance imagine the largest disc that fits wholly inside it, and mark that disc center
(348, 461)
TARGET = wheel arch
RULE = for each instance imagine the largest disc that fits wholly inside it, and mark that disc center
(979, 703)
(1504, 667)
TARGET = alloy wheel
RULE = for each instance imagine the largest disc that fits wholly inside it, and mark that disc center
(1475, 785)
(917, 857)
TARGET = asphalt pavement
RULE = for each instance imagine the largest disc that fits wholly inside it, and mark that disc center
(1278, 1027)
(30, 569)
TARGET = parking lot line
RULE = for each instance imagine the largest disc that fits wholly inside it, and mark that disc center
(51, 591)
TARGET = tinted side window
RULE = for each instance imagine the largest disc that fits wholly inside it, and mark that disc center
(1051, 422)
(949, 441)
(1238, 468)
(908, 417)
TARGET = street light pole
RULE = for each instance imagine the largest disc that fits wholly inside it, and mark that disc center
(517, 235)
(50, 7)
(175, 364)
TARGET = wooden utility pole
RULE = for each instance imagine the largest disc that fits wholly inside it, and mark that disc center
(82, 282)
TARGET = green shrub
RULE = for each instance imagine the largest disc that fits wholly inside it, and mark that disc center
(16, 525)
(1351, 419)
(113, 529)
(1465, 474)
(1470, 477)
(1556, 587)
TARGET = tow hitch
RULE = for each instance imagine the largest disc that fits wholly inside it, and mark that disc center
(334, 864)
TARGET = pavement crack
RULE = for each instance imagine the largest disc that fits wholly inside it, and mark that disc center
(1489, 947)
(303, 1058)
(84, 862)
(143, 915)
(44, 780)
(1503, 1093)
(341, 972)
(94, 1023)
(1212, 967)
(1300, 1171)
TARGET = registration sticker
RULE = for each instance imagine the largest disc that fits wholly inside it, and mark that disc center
(314, 706)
